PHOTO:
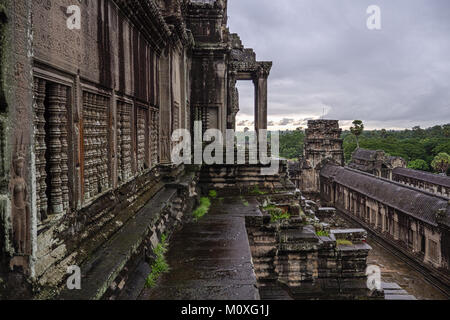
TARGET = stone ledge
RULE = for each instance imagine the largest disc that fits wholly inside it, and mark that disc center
(99, 271)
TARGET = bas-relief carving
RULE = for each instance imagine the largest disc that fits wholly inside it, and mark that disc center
(65, 47)
(141, 132)
(20, 209)
(154, 136)
(165, 144)
(125, 169)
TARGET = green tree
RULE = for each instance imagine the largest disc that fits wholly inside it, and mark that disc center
(419, 164)
(357, 130)
(441, 162)
(418, 132)
(291, 144)
(446, 130)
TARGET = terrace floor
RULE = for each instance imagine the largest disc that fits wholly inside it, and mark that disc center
(211, 259)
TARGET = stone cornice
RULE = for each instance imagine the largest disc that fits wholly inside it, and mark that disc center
(179, 31)
(146, 16)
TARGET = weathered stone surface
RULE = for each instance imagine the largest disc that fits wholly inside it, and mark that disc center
(211, 259)
(311, 266)
(105, 264)
(323, 144)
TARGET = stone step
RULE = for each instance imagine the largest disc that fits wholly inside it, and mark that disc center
(392, 291)
(399, 297)
(100, 270)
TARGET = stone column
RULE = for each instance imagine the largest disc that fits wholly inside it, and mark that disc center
(232, 107)
(55, 149)
(165, 107)
(260, 81)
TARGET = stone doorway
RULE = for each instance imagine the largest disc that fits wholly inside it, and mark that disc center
(245, 116)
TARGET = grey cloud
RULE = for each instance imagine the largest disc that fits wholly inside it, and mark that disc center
(286, 122)
(327, 63)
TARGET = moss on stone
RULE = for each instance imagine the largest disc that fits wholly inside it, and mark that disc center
(278, 214)
(160, 265)
(202, 210)
(323, 233)
(256, 191)
(343, 242)
(213, 194)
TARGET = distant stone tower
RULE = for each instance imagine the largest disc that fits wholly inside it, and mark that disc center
(323, 143)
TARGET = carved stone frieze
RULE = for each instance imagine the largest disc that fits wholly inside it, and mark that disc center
(125, 169)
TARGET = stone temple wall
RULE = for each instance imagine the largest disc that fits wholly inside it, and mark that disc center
(86, 118)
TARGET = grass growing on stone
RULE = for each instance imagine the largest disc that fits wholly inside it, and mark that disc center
(244, 201)
(269, 207)
(256, 191)
(160, 265)
(203, 209)
(278, 214)
(323, 233)
(213, 194)
(342, 242)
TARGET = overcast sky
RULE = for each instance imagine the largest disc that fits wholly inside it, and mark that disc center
(326, 61)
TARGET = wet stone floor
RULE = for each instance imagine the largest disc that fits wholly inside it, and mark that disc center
(211, 259)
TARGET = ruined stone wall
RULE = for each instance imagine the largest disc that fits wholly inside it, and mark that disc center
(322, 144)
(312, 267)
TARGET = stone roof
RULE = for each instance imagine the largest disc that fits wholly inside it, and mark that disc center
(423, 176)
(361, 167)
(415, 202)
(364, 154)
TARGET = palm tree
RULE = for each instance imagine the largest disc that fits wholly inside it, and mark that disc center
(357, 130)
(441, 163)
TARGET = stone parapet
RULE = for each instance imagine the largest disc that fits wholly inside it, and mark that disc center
(311, 266)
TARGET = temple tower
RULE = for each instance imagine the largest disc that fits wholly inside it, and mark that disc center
(322, 144)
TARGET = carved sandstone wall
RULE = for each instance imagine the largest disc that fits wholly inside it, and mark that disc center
(83, 118)
(88, 115)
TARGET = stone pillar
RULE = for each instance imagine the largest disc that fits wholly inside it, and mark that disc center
(165, 107)
(262, 103)
(233, 105)
(260, 81)
(40, 149)
(55, 149)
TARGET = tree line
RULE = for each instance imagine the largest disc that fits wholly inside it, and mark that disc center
(424, 149)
